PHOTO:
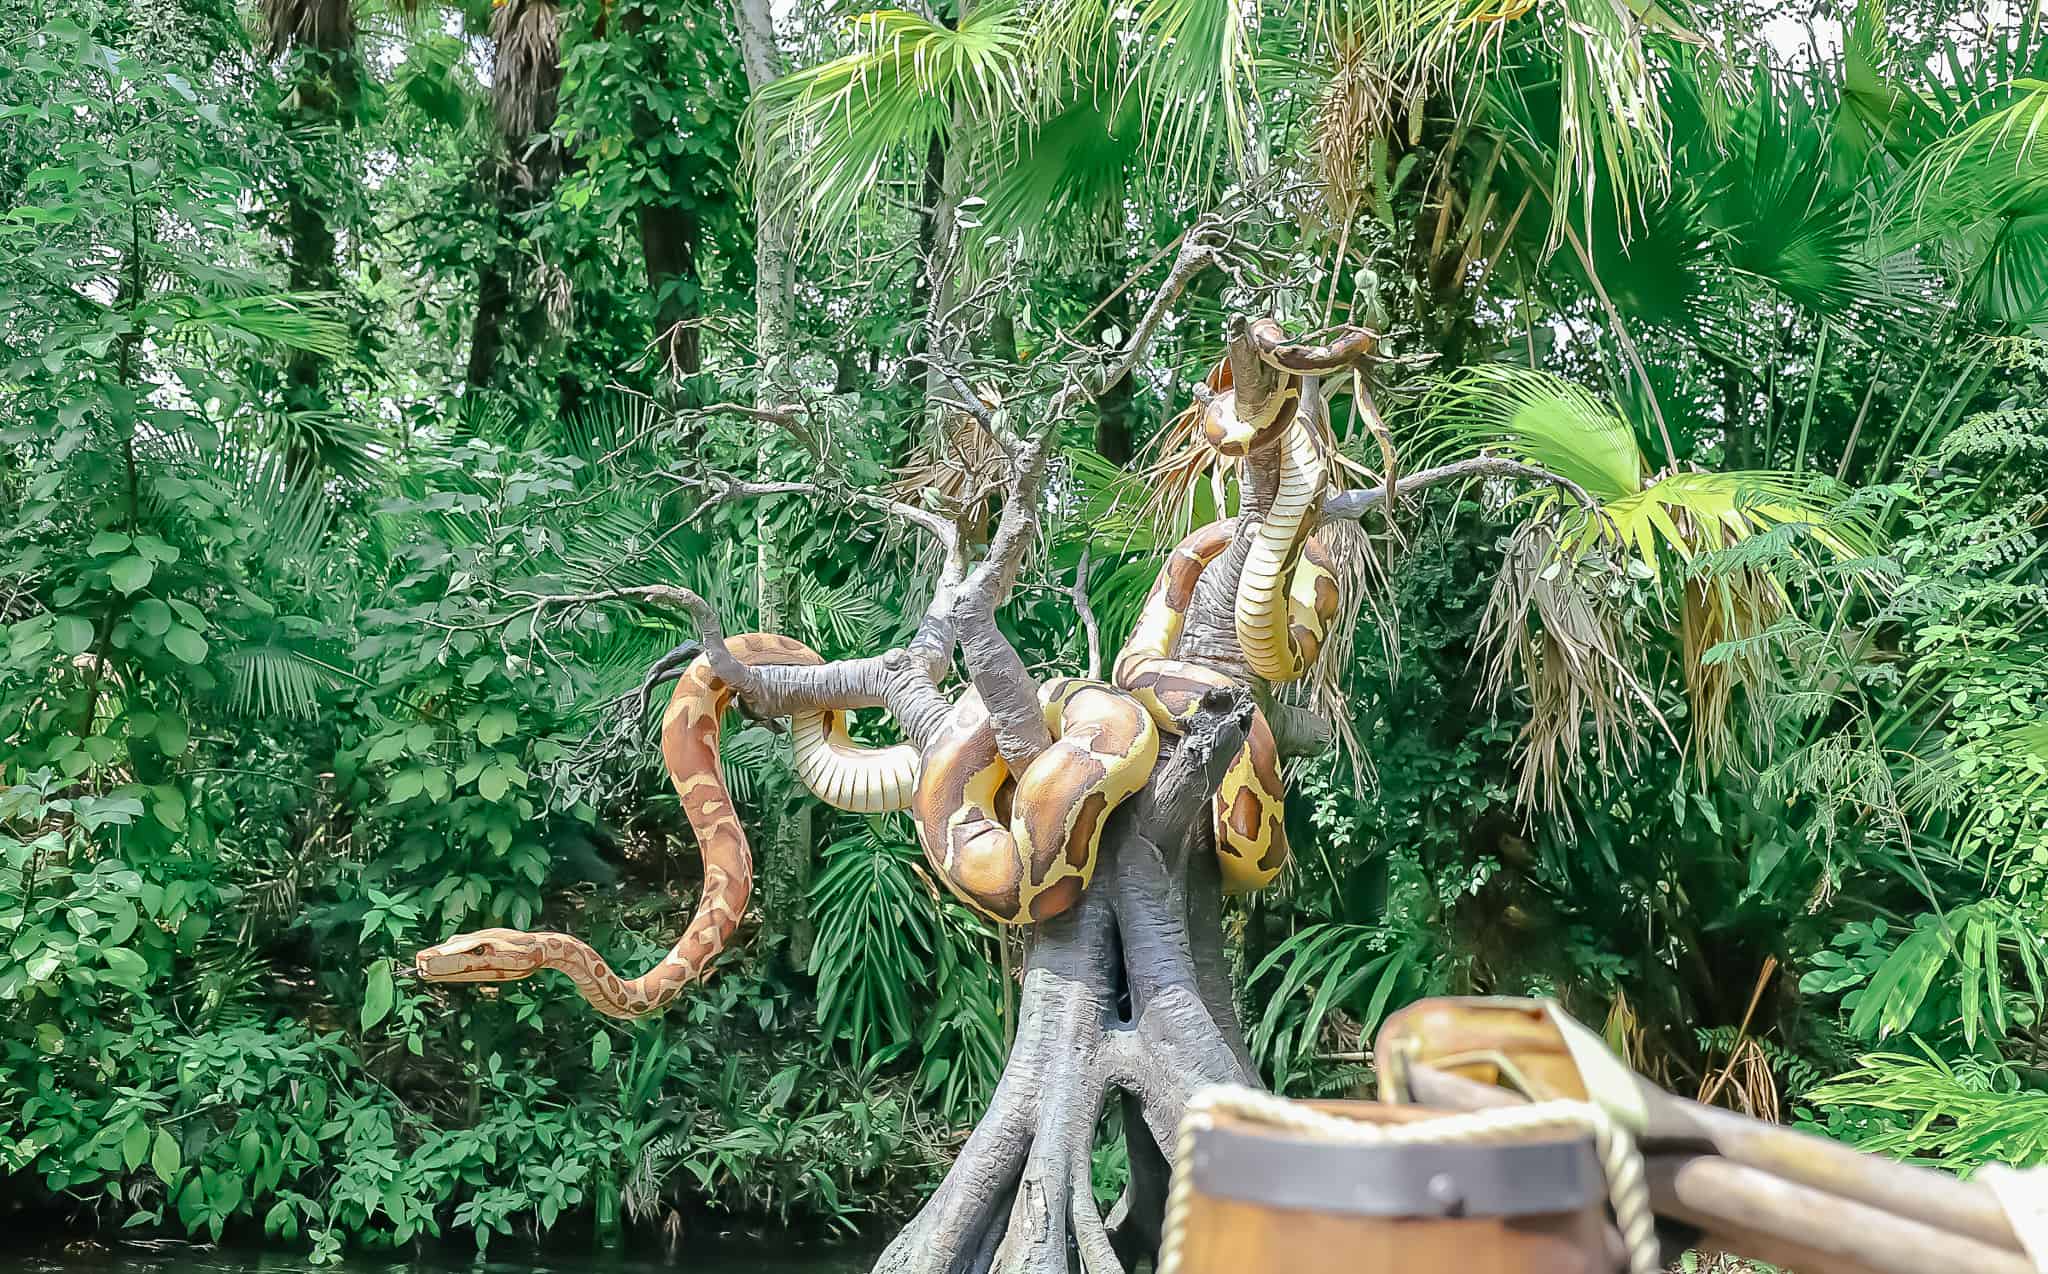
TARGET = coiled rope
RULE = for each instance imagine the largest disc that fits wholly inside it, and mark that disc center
(1627, 1190)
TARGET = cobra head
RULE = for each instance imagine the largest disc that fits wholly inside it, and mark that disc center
(488, 955)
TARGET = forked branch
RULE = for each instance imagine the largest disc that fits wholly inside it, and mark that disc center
(1342, 506)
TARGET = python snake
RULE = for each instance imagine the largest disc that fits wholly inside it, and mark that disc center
(1022, 852)
(867, 780)
(1251, 412)
(1016, 848)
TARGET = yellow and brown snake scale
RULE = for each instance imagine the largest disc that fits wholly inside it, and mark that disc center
(841, 772)
(1021, 852)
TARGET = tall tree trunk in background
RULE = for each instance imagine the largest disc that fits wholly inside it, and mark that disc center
(496, 287)
(671, 234)
(526, 87)
(670, 239)
(310, 240)
(943, 338)
(787, 869)
(1117, 409)
(931, 193)
(325, 89)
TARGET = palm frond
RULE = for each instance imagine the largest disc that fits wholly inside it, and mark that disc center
(1063, 187)
(837, 126)
(1566, 566)
(1547, 421)
(283, 320)
(1784, 218)
(1537, 418)
(279, 676)
(1979, 196)
(1191, 62)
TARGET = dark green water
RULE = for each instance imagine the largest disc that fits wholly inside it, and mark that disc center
(706, 1256)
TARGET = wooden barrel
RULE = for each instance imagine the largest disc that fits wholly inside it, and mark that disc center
(1265, 1198)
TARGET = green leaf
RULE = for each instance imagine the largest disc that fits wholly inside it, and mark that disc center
(165, 1159)
(124, 966)
(131, 573)
(134, 1145)
(152, 616)
(73, 634)
(600, 1050)
(378, 994)
(169, 805)
(106, 542)
(496, 724)
(492, 784)
(187, 645)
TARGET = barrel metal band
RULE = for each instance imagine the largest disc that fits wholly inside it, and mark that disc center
(1495, 1179)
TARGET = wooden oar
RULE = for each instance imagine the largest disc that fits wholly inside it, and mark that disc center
(1754, 1212)
(1726, 1198)
(1526, 1042)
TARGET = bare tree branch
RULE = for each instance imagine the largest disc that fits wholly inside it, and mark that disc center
(789, 417)
(1341, 506)
(722, 489)
(899, 680)
(1199, 251)
(1008, 690)
(1087, 613)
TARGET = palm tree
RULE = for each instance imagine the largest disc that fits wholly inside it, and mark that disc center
(1559, 622)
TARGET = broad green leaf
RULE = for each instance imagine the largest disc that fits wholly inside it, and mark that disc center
(131, 573)
(152, 616)
(73, 634)
(135, 1145)
(377, 994)
(125, 966)
(187, 645)
(165, 1159)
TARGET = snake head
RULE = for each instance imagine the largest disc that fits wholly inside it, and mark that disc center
(1223, 429)
(488, 955)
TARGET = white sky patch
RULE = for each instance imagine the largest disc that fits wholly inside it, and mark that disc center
(1795, 36)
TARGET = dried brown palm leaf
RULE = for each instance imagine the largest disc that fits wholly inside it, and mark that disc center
(322, 26)
(1355, 109)
(526, 79)
(1362, 592)
(1569, 660)
(1181, 463)
(1729, 611)
(959, 474)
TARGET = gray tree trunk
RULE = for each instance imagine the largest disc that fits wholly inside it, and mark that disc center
(1119, 1003)
(786, 868)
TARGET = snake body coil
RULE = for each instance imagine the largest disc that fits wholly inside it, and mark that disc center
(1021, 852)
(838, 770)
(1017, 848)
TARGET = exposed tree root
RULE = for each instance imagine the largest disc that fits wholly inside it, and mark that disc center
(1118, 1005)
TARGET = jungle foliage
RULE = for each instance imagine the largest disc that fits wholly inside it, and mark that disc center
(336, 337)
